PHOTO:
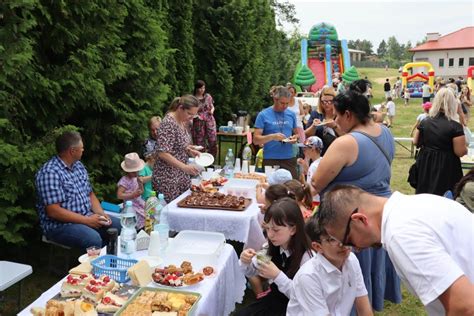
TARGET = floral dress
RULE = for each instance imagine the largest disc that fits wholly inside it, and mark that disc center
(172, 139)
(204, 126)
(131, 185)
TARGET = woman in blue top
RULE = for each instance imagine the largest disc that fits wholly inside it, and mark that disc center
(362, 157)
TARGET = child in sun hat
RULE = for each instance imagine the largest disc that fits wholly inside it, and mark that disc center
(312, 148)
(278, 176)
(130, 188)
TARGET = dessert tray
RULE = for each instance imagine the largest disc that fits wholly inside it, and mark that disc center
(215, 200)
(183, 276)
(167, 301)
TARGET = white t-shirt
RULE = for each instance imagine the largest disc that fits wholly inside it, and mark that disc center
(282, 280)
(311, 170)
(426, 91)
(319, 288)
(391, 108)
(430, 240)
(421, 117)
(296, 109)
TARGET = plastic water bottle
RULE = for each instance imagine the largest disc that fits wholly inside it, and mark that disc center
(160, 208)
(246, 157)
(128, 234)
(150, 211)
(229, 164)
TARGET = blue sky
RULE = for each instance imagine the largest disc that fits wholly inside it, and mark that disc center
(375, 20)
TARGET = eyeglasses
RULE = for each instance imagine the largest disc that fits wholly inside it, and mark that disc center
(348, 229)
(344, 241)
(327, 102)
(330, 240)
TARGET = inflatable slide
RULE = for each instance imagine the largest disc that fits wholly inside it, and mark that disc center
(323, 57)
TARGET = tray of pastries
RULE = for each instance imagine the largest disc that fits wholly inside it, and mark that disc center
(210, 186)
(154, 301)
(173, 276)
(251, 176)
(215, 200)
(87, 295)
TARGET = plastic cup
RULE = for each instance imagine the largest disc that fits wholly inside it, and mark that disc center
(163, 231)
(93, 251)
(245, 166)
(268, 170)
(263, 257)
(252, 168)
(237, 165)
(154, 247)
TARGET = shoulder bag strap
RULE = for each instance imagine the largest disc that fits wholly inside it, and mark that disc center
(378, 145)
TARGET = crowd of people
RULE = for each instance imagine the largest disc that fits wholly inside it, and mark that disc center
(336, 239)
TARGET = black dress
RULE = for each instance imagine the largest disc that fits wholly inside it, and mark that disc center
(275, 302)
(439, 169)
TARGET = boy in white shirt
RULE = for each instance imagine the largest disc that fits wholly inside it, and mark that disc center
(329, 283)
(312, 148)
(390, 111)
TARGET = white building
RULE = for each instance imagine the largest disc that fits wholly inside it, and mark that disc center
(450, 55)
(355, 55)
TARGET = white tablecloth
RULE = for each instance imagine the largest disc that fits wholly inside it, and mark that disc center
(219, 294)
(241, 226)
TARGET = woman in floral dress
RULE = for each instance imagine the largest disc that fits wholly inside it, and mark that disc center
(204, 124)
(171, 173)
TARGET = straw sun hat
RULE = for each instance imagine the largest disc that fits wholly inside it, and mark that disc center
(132, 163)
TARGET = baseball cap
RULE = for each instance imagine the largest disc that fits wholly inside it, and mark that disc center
(314, 142)
(279, 176)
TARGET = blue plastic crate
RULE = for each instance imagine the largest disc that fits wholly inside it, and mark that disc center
(113, 266)
(115, 208)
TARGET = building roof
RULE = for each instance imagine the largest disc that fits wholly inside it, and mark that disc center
(460, 39)
(355, 51)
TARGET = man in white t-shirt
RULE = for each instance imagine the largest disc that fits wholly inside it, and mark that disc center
(426, 92)
(331, 282)
(429, 239)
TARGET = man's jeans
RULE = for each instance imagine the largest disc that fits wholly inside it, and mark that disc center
(82, 236)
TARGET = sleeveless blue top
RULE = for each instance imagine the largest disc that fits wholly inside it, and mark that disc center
(371, 171)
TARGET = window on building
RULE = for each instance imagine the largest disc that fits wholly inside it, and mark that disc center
(461, 62)
(450, 62)
(441, 62)
(471, 61)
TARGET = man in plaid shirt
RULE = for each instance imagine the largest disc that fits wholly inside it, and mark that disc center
(69, 211)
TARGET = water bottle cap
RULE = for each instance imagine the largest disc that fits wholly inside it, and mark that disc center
(128, 203)
(161, 196)
(112, 231)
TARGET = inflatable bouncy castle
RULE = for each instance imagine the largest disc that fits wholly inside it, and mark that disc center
(470, 77)
(415, 82)
(323, 57)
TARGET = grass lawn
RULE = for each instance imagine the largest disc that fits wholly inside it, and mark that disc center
(36, 253)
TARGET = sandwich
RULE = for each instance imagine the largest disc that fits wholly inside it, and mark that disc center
(110, 303)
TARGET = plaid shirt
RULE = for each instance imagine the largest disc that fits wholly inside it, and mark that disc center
(57, 183)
